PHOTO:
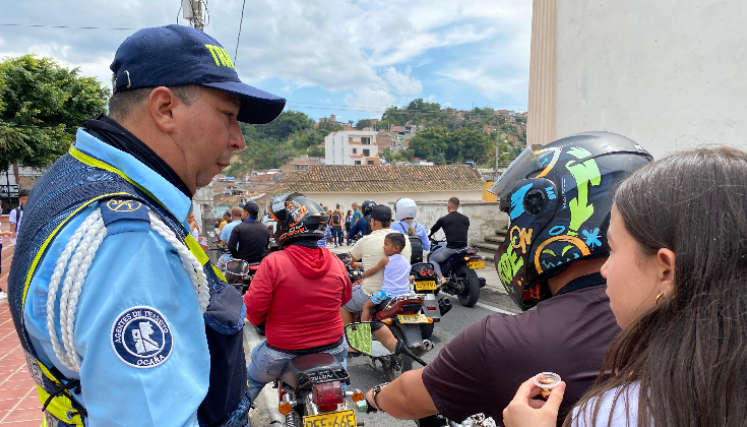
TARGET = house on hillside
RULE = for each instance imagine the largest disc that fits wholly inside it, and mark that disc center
(351, 148)
(329, 185)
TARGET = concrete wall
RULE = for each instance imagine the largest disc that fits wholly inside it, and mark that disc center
(670, 74)
(338, 147)
(484, 217)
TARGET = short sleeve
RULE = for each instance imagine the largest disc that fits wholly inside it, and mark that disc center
(357, 250)
(451, 378)
(621, 417)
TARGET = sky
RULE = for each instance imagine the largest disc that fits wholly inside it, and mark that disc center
(352, 58)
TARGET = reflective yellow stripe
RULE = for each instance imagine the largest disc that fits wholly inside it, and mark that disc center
(60, 405)
(196, 249)
(218, 273)
(52, 236)
(92, 161)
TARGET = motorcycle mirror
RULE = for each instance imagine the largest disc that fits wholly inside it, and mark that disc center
(360, 339)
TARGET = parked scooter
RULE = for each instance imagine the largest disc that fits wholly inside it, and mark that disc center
(459, 270)
(425, 284)
(310, 393)
(404, 316)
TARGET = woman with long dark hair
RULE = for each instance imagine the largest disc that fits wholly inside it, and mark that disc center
(676, 278)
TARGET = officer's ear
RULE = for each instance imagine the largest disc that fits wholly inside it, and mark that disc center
(162, 103)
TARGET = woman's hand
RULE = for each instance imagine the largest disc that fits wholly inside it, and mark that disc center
(523, 411)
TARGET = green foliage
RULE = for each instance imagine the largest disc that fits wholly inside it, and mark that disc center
(287, 123)
(363, 124)
(441, 146)
(41, 105)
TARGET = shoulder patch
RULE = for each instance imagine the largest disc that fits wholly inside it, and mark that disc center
(142, 338)
(117, 209)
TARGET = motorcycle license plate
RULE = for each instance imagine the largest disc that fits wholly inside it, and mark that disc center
(476, 264)
(426, 285)
(331, 419)
(412, 318)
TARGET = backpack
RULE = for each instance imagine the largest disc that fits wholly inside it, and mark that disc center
(336, 219)
(415, 244)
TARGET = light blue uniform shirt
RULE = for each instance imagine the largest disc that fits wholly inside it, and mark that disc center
(225, 235)
(420, 230)
(130, 269)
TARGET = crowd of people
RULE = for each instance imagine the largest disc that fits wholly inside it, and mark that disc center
(631, 272)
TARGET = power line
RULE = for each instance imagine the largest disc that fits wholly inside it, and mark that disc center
(70, 27)
(239, 37)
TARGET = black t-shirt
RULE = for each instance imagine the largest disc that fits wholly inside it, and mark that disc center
(252, 238)
(455, 227)
(482, 368)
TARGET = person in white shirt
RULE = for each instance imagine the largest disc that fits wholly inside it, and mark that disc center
(396, 274)
(16, 214)
(370, 250)
(676, 281)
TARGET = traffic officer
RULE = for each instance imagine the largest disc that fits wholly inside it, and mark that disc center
(123, 319)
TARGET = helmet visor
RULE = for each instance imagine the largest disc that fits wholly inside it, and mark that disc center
(519, 169)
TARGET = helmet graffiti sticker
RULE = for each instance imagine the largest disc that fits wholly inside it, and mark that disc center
(558, 199)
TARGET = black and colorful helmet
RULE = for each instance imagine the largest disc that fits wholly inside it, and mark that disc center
(298, 217)
(367, 207)
(558, 198)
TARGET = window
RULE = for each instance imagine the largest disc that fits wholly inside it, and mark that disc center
(357, 162)
(350, 139)
(355, 151)
(365, 140)
(370, 163)
(366, 152)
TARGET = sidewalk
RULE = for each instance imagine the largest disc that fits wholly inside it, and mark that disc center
(19, 403)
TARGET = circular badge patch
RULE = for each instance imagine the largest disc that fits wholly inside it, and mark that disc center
(142, 338)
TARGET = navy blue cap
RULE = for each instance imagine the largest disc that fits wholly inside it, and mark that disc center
(176, 55)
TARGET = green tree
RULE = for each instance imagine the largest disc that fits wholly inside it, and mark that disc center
(466, 144)
(41, 105)
(288, 123)
(431, 144)
(365, 123)
(316, 151)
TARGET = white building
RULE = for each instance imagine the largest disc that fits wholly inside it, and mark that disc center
(670, 75)
(351, 147)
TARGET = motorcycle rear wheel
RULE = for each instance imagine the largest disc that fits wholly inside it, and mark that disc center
(471, 293)
(426, 331)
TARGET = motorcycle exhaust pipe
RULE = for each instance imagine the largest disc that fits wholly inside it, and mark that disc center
(444, 305)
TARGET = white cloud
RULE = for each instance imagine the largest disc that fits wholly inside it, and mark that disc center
(403, 83)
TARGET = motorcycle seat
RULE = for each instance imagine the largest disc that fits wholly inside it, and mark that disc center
(305, 370)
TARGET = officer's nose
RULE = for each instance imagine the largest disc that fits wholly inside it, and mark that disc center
(236, 140)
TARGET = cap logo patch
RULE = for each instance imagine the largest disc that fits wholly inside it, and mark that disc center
(142, 338)
(220, 56)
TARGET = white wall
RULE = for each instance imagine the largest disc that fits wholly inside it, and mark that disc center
(337, 147)
(669, 74)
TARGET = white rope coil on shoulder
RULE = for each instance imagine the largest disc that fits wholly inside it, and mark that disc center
(77, 258)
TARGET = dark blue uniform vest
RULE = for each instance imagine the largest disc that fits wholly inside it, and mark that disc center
(69, 185)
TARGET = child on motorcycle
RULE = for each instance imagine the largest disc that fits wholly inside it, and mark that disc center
(396, 273)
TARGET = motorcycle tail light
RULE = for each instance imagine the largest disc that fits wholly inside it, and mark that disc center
(327, 395)
(431, 307)
(431, 272)
(253, 267)
(423, 272)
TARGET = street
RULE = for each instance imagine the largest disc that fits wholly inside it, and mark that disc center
(364, 377)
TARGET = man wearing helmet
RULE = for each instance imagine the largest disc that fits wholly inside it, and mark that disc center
(363, 226)
(405, 211)
(297, 292)
(558, 198)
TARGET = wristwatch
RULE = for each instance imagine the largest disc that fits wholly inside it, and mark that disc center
(375, 393)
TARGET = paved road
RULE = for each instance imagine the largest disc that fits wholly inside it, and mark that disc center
(364, 377)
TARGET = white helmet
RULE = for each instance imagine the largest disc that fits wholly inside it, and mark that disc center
(405, 208)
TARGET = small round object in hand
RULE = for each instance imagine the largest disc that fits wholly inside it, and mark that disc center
(546, 381)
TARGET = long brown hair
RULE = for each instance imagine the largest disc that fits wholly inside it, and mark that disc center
(688, 354)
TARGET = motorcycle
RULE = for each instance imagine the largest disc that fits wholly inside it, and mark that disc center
(354, 270)
(404, 317)
(424, 283)
(310, 393)
(237, 272)
(459, 269)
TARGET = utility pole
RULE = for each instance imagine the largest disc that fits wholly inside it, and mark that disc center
(194, 13)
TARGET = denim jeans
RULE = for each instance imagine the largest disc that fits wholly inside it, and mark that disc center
(440, 255)
(268, 364)
(337, 234)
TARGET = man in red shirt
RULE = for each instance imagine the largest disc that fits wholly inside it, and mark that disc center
(297, 292)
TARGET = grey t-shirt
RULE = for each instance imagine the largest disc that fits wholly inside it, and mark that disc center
(481, 369)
